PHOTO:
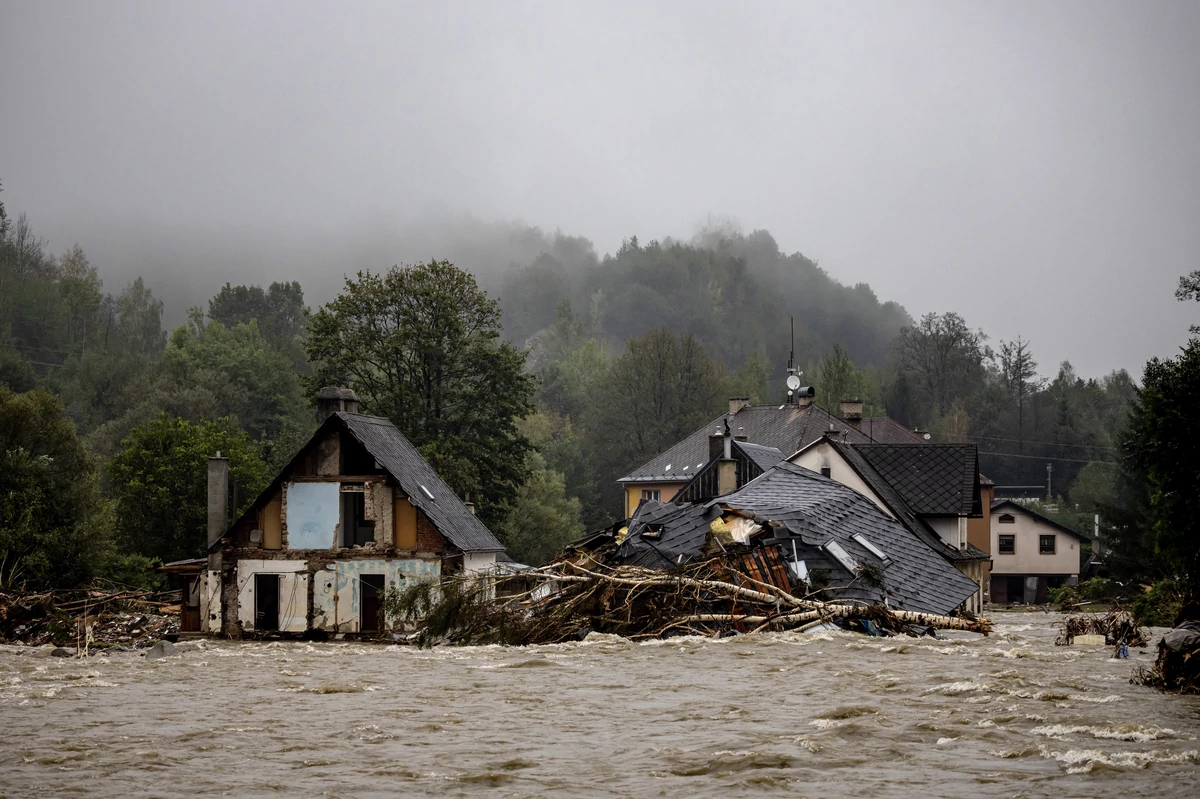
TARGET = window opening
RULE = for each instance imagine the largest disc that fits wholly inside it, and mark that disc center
(1007, 518)
(357, 530)
(266, 602)
(1046, 544)
(1008, 544)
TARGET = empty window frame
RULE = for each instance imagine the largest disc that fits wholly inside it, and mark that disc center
(874, 550)
(1007, 518)
(838, 553)
(1046, 544)
(357, 529)
(1008, 544)
(651, 493)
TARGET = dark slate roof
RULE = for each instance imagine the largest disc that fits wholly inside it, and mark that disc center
(933, 479)
(763, 457)
(786, 428)
(1000, 503)
(803, 512)
(884, 430)
(899, 507)
(414, 474)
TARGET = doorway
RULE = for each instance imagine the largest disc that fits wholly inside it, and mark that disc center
(370, 604)
(266, 602)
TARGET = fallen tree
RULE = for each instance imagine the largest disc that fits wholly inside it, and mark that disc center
(573, 597)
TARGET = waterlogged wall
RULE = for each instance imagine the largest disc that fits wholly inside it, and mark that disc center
(293, 592)
(337, 591)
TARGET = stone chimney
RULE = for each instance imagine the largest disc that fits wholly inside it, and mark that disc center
(737, 403)
(852, 410)
(804, 396)
(218, 497)
(332, 399)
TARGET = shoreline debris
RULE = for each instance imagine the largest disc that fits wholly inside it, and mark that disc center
(571, 598)
(89, 618)
(1116, 627)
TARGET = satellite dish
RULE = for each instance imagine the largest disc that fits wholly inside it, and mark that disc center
(793, 382)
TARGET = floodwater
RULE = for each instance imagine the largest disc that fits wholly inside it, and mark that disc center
(824, 714)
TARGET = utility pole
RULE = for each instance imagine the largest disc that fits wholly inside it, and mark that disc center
(1049, 474)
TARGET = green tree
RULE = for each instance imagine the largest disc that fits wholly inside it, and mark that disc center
(421, 345)
(279, 310)
(49, 497)
(542, 518)
(1160, 472)
(1018, 371)
(159, 483)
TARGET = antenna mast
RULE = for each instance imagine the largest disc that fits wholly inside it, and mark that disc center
(793, 378)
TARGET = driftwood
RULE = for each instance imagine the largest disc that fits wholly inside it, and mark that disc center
(1117, 627)
(572, 597)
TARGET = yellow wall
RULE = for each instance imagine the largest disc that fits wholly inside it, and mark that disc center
(271, 523)
(404, 516)
(633, 493)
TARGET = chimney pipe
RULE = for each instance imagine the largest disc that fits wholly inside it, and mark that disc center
(727, 466)
(804, 396)
(218, 497)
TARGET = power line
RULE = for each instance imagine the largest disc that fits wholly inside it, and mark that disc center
(1044, 458)
(1046, 443)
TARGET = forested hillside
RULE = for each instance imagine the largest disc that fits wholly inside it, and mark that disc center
(542, 383)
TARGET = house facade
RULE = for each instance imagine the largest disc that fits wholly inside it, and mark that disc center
(1030, 554)
(356, 512)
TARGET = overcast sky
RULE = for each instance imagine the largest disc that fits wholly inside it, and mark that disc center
(1032, 166)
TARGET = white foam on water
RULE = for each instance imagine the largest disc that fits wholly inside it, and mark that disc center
(1118, 733)
(1083, 761)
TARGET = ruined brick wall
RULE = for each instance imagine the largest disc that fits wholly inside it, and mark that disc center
(428, 537)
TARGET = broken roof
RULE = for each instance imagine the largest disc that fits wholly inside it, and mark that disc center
(933, 479)
(396, 455)
(786, 428)
(804, 510)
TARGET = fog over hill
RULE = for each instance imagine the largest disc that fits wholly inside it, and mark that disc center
(1030, 167)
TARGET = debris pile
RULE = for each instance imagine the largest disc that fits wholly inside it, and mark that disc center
(87, 618)
(573, 597)
(1177, 667)
(1117, 627)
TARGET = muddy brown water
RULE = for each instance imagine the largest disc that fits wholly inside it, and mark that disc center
(825, 714)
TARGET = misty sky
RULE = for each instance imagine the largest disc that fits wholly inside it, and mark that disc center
(1032, 166)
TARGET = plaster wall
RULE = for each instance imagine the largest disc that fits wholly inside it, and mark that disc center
(293, 592)
(210, 602)
(1027, 559)
(821, 455)
(633, 494)
(479, 561)
(337, 594)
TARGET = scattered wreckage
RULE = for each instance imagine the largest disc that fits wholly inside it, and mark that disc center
(791, 550)
(89, 618)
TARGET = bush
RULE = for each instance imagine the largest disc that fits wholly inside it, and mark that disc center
(134, 571)
(1159, 605)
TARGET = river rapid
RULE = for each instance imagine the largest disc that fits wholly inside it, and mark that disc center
(819, 714)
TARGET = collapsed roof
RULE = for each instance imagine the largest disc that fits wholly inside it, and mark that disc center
(820, 526)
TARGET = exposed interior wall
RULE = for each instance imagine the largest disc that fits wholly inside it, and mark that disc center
(293, 592)
(974, 570)
(1027, 559)
(821, 455)
(337, 595)
(404, 514)
(479, 561)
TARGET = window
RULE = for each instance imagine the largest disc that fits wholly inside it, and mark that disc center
(874, 550)
(1007, 518)
(1008, 544)
(357, 529)
(843, 557)
(1046, 544)
(650, 493)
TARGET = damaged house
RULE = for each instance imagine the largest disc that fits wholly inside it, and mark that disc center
(824, 533)
(357, 511)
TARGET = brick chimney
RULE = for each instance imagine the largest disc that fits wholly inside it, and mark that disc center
(852, 410)
(726, 466)
(737, 403)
